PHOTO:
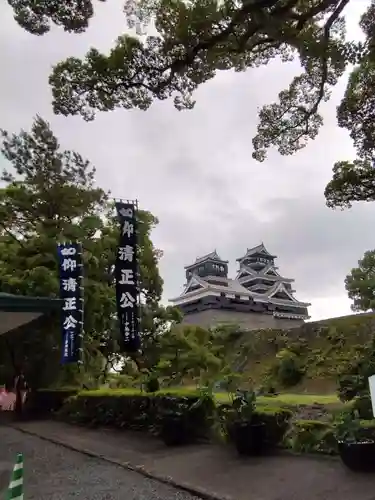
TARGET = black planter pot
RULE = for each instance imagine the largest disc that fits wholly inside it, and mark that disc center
(174, 431)
(249, 438)
(358, 456)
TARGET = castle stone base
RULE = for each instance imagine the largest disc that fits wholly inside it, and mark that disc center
(250, 321)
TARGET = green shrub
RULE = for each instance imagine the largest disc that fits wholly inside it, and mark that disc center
(351, 386)
(152, 384)
(287, 371)
(43, 402)
(131, 409)
(363, 406)
(311, 436)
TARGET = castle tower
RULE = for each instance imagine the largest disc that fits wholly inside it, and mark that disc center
(259, 275)
(259, 297)
(208, 265)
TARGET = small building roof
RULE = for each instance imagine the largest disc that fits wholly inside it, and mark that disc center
(18, 310)
(21, 303)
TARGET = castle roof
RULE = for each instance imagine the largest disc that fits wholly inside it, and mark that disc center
(256, 250)
(210, 256)
(269, 272)
(198, 287)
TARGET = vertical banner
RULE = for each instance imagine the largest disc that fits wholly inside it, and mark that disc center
(71, 293)
(126, 269)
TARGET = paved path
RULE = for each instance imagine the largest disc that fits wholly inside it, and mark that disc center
(56, 473)
(217, 469)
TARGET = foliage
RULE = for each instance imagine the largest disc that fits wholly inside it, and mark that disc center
(353, 380)
(360, 283)
(244, 406)
(191, 353)
(135, 410)
(132, 409)
(312, 436)
(348, 428)
(37, 16)
(152, 384)
(351, 181)
(287, 371)
(363, 407)
(50, 196)
(195, 40)
(326, 350)
(276, 419)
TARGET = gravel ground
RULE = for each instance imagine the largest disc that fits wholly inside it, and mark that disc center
(53, 472)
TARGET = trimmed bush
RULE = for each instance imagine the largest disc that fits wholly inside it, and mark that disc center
(43, 402)
(131, 409)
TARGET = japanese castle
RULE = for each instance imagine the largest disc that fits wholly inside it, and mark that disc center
(258, 297)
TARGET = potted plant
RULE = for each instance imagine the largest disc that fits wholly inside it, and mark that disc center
(247, 431)
(175, 428)
(357, 451)
(185, 419)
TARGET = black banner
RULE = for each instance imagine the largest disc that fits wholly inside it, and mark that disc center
(126, 269)
(71, 292)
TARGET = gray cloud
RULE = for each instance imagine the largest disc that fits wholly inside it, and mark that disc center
(194, 169)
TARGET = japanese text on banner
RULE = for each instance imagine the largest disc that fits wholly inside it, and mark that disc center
(70, 270)
(126, 277)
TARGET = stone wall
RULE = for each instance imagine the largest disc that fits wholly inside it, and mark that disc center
(253, 321)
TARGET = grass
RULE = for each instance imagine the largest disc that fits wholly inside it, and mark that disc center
(289, 399)
(223, 397)
(301, 399)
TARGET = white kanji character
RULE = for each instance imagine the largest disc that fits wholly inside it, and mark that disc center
(70, 285)
(127, 228)
(127, 277)
(70, 304)
(126, 212)
(68, 251)
(127, 300)
(126, 253)
(69, 264)
(126, 330)
(66, 347)
(69, 322)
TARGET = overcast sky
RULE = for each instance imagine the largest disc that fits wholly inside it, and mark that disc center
(194, 169)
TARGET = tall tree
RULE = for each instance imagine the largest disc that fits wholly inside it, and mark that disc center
(50, 196)
(197, 39)
(360, 283)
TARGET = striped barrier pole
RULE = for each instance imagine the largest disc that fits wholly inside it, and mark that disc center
(15, 489)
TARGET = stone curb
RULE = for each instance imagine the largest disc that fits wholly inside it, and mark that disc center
(140, 469)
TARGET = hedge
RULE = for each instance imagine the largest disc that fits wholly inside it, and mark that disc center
(44, 402)
(131, 409)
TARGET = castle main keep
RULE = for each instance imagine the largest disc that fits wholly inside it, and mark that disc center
(258, 297)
